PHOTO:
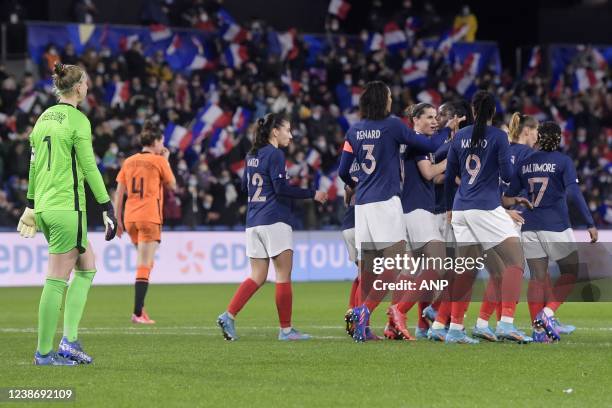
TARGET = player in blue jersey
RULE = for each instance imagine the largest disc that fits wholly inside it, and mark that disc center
(268, 224)
(480, 155)
(348, 234)
(550, 176)
(374, 143)
(523, 134)
(440, 313)
(418, 204)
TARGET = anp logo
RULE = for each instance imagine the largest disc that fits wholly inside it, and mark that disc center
(191, 258)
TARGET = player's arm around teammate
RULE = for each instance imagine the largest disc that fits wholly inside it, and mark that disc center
(268, 230)
(142, 177)
(62, 159)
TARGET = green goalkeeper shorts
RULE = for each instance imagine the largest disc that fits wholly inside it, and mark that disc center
(64, 230)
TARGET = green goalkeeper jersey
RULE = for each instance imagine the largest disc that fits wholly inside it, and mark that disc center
(62, 156)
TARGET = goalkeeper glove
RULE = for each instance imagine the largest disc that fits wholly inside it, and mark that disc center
(110, 222)
(27, 223)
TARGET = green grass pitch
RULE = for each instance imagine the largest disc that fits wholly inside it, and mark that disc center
(184, 361)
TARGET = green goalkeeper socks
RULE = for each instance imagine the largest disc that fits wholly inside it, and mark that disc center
(75, 302)
(48, 313)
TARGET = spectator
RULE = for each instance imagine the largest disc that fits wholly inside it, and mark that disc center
(467, 18)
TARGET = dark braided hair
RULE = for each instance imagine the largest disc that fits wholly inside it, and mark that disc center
(373, 101)
(483, 104)
(461, 108)
(549, 136)
(264, 128)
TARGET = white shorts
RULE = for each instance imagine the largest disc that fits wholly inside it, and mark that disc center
(267, 241)
(552, 244)
(349, 240)
(445, 229)
(421, 227)
(380, 223)
(485, 227)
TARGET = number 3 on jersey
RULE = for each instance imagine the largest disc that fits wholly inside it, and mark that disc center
(472, 170)
(369, 149)
(257, 181)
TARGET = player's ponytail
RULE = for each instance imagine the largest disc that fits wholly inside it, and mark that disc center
(65, 77)
(549, 136)
(149, 134)
(264, 127)
(483, 105)
(518, 122)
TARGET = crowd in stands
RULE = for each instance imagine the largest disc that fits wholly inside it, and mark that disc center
(209, 193)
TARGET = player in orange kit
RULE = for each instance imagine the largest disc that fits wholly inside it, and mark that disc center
(142, 177)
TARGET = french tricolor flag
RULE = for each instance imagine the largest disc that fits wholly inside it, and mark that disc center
(293, 86)
(177, 136)
(159, 32)
(236, 55)
(395, 39)
(451, 37)
(339, 8)
(430, 96)
(535, 60)
(125, 42)
(313, 158)
(221, 142)
(174, 45)
(233, 33)
(238, 168)
(585, 78)
(289, 49)
(356, 95)
(117, 93)
(415, 72)
(241, 119)
(463, 79)
(208, 119)
(27, 101)
(375, 42)
(199, 62)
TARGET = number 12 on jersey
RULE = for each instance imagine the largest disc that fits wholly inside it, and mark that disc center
(257, 182)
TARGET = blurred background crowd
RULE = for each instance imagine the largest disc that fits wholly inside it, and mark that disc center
(314, 93)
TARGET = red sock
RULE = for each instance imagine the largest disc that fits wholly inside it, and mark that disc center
(242, 295)
(422, 323)
(498, 310)
(436, 305)
(563, 287)
(444, 311)
(535, 297)
(353, 296)
(512, 280)
(418, 295)
(374, 297)
(490, 299)
(284, 300)
(461, 294)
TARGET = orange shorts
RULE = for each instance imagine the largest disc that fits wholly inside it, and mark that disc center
(142, 231)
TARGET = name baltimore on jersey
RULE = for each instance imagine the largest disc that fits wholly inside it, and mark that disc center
(539, 167)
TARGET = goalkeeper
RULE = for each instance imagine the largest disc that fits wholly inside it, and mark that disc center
(62, 159)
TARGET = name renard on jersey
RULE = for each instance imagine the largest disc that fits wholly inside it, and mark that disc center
(368, 134)
(539, 167)
(467, 143)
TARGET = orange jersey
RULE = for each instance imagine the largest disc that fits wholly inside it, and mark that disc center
(143, 176)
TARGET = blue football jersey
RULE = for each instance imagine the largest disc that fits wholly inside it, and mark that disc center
(417, 192)
(480, 169)
(375, 145)
(348, 221)
(265, 206)
(546, 176)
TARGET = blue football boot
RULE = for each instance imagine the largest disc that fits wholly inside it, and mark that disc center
(507, 331)
(73, 351)
(361, 318)
(539, 336)
(562, 328)
(52, 359)
(484, 333)
(437, 334)
(420, 334)
(293, 335)
(430, 314)
(459, 337)
(226, 323)
(542, 321)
